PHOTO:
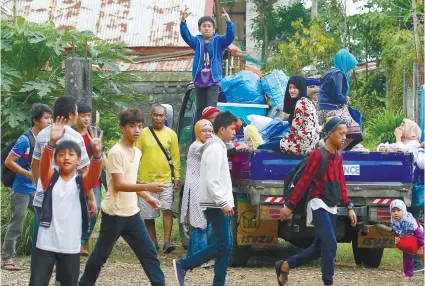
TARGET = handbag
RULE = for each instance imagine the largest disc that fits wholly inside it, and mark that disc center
(356, 115)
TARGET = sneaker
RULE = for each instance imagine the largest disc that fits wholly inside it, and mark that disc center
(179, 271)
(168, 248)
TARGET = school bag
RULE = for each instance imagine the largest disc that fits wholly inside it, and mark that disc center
(7, 175)
(292, 178)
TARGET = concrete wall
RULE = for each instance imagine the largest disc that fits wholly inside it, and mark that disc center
(162, 87)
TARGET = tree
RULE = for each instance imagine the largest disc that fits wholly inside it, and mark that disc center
(32, 70)
(305, 47)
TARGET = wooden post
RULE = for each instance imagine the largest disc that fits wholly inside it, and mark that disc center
(78, 79)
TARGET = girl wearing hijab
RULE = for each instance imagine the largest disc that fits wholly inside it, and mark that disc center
(333, 96)
(303, 136)
(409, 235)
(191, 211)
(407, 136)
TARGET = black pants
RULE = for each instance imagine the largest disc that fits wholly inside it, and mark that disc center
(206, 96)
(134, 232)
(67, 268)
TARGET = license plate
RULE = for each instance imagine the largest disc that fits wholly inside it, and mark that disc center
(375, 238)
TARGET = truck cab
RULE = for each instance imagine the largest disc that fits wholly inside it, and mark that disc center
(373, 180)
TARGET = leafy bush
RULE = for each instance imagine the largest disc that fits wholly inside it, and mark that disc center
(23, 244)
(381, 128)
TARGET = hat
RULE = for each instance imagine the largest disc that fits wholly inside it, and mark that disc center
(208, 111)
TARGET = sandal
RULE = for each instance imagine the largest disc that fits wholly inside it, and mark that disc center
(10, 266)
(278, 269)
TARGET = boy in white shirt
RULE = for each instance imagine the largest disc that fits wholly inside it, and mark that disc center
(64, 214)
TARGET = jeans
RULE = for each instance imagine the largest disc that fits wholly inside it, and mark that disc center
(98, 197)
(220, 249)
(134, 232)
(323, 247)
(43, 261)
(206, 96)
(19, 204)
(197, 241)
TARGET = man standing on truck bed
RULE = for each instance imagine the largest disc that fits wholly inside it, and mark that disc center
(160, 163)
(326, 193)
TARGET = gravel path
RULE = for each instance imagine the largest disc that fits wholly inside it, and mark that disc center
(124, 270)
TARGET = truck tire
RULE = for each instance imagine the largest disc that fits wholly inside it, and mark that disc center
(184, 230)
(240, 254)
(368, 257)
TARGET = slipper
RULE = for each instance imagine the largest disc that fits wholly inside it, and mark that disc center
(10, 266)
(278, 269)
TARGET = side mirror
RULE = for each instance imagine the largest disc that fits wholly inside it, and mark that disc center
(170, 115)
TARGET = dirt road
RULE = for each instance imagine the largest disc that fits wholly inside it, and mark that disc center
(124, 270)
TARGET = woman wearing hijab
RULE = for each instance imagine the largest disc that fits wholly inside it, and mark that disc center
(303, 136)
(333, 96)
(407, 137)
(300, 112)
(191, 212)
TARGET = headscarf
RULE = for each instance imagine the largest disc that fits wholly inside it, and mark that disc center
(412, 131)
(289, 103)
(345, 61)
(407, 224)
(202, 124)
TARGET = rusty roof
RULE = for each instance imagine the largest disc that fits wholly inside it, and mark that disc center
(180, 64)
(138, 23)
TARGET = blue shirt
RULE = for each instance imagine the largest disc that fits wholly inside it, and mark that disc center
(22, 184)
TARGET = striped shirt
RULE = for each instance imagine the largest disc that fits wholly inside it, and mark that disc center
(42, 139)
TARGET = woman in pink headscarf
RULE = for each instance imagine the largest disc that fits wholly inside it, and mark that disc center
(407, 137)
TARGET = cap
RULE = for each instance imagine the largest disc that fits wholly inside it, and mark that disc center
(208, 111)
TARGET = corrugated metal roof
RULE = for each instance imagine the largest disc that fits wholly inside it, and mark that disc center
(181, 64)
(138, 23)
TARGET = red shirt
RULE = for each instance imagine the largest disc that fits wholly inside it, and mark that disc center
(89, 152)
(334, 172)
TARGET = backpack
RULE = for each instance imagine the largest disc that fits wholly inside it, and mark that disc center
(292, 178)
(7, 175)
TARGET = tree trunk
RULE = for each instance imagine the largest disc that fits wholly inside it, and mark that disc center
(415, 30)
(314, 9)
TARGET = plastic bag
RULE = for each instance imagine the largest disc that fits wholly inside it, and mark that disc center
(418, 195)
(274, 86)
(276, 128)
(243, 87)
(252, 137)
(259, 121)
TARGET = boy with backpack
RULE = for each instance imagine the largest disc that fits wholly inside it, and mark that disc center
(209, 48)
(65, 213)
(324, 192)
(16, 173)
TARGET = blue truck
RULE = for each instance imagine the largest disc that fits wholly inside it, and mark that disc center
(373, 181)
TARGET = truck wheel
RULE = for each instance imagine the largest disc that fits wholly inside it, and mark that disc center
(373, 258)
(184, 230)
(240, 254)
(368, 257)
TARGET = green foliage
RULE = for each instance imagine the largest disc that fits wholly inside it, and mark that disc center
(381, 128)
(23, 243)
(368, 94)
(32, 58)
(109, 123)
(306, 46)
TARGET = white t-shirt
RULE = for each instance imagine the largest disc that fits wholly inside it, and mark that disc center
(42, 139)
(64, 233)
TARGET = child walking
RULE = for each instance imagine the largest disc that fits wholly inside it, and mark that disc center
(64, 214)
(208, 62)
(409, 236)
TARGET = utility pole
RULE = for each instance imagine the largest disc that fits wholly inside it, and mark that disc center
(314, 9)
(415, 30)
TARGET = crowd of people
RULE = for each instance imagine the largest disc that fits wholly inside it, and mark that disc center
(60, 167)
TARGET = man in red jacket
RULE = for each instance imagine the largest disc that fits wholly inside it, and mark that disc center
(322, 208)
